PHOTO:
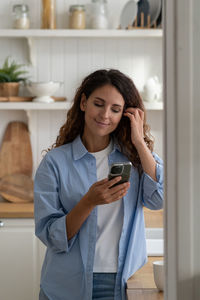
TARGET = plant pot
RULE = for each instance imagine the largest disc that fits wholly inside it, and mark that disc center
(8, 89)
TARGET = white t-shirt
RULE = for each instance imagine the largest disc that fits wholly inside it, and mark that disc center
(109, 222)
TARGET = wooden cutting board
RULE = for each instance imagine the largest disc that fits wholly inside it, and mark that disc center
(17, 188)
(15, 152)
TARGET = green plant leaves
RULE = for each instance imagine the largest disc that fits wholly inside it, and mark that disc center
(10, 72)
(4, 77)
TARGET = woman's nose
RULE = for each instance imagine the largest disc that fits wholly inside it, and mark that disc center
(105, 113)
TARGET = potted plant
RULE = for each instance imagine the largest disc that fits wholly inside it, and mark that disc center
(11, 75)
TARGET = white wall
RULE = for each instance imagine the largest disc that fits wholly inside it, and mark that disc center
(70, 59)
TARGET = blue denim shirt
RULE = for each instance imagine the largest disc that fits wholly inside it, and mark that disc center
(62, 179)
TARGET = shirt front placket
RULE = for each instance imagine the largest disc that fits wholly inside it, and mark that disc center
(92, 228)
(121, 256)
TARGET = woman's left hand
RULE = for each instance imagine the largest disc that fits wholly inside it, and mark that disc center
(136, 117)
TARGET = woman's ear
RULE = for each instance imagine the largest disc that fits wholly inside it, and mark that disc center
(83, 102)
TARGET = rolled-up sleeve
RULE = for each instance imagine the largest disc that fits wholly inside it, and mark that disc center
(50, 217)
(152, 190)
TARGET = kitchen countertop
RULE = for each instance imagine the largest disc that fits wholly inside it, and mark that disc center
(141, 285)
(16, 210)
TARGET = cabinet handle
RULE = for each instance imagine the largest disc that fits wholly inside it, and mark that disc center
(1, 223)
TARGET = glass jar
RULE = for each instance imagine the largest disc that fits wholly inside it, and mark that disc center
(77, 17)
(21, 16)
(99, 15)
(49, 14)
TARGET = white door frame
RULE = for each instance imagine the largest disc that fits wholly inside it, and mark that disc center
(182, 148)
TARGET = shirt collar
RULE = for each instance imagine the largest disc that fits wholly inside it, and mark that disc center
(116, 145)
(79, 150)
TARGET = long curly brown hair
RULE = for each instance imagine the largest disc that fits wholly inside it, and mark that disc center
(74, 124)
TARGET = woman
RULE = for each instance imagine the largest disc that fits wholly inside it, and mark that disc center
(95, 234)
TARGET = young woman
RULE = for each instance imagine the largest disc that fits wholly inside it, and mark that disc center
(94, 232)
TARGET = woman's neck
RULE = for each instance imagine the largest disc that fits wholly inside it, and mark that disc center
(97, 144)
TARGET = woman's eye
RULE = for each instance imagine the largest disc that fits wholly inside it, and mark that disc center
(101, 105)
(115, 111)
(97, 104)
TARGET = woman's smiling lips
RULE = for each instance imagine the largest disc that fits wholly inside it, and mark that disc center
(101, 123)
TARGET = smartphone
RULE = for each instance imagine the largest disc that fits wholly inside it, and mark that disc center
(122, 169)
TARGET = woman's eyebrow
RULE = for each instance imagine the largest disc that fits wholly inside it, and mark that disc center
(98, 98)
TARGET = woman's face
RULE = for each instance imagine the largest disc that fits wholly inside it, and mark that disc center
(103, 111)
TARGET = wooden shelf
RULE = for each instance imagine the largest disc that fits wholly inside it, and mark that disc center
(58, 106)
(85, 33)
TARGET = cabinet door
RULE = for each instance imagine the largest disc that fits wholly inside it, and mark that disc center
(18, 260)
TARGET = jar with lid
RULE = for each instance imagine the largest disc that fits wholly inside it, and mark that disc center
(77, 17)
(49, 14)
(21, 16)
(99, 14)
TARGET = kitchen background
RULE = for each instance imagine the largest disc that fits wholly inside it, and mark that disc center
(67, 59)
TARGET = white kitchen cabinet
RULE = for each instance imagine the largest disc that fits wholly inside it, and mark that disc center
(22, 255)
(20, 260)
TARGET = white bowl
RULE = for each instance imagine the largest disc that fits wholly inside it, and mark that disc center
(43, 90)
(158, 272)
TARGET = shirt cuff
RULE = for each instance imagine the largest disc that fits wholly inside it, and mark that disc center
(150, 185)
(58, 235)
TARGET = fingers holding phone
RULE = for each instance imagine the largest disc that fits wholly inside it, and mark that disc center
(112, 188)
(106, 191)
(117, 191)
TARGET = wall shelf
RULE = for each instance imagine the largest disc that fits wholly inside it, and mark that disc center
(32, 34)
(86, 33)
(58, 106)
(34, 106)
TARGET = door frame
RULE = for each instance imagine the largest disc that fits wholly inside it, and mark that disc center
(182, 149)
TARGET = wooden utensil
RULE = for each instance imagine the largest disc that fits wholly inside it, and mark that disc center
(15, 152)
(17, 188)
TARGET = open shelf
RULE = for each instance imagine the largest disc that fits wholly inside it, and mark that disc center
(58, 106)
(34, 106)
(33, 34)
(83, 33)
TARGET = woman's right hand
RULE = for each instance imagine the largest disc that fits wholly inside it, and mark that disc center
(102, 192)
